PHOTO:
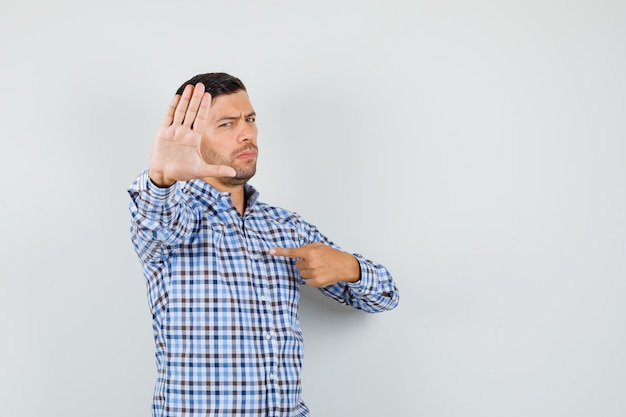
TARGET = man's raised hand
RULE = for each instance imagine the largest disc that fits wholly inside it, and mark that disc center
(176, 149)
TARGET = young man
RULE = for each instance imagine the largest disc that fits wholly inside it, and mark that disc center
(223, 269)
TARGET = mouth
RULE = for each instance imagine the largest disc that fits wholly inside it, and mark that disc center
(249, 153)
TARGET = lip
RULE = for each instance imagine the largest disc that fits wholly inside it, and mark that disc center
(248, 154)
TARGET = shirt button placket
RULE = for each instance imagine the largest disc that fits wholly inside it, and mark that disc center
(265, 309)
(272, 371)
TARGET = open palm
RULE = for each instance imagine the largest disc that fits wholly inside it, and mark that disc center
(176, 148)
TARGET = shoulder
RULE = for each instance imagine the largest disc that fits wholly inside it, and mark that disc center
(277, 213)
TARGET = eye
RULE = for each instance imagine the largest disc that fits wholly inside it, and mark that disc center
(251, 119)
(227, 124)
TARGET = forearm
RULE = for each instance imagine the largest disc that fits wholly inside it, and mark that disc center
(157, 216)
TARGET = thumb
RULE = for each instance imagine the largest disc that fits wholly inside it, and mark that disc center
(206, 170)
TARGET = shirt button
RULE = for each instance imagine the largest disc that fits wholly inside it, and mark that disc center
(254, 256)
(272, 377)
(268, 336)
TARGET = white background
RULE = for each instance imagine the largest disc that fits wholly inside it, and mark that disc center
(476, 148)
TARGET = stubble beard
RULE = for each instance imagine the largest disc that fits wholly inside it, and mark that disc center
(243, 173)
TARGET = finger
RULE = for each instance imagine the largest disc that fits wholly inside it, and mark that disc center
(183, 103)
(169, 114)
(203, 113)
(306, 274)
(287, 252)
(194, 105)
(216, 171)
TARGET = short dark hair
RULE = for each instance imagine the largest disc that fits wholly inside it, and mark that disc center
(215, 83)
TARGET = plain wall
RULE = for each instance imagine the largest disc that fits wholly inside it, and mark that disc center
(476, 148)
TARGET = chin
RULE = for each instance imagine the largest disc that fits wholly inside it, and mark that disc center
(239, 179)
(232, 181)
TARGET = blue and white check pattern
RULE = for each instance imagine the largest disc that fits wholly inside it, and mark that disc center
(225, 312)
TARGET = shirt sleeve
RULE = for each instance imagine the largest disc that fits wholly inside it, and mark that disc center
(375, 292)
(158, 220)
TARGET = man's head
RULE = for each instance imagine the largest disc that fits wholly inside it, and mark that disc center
(215, 83)
(230, 134)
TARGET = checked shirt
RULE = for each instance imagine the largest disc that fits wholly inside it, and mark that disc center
(225, 321)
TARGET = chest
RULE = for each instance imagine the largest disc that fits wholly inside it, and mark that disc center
(226, 261)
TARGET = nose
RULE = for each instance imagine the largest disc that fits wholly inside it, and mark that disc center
(247, 132)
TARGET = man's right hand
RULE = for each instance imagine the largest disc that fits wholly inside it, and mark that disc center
(176, 148)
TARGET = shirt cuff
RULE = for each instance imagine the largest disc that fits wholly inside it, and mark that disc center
(144, 185)
(364, 284)
(159, 193)
(150, 199)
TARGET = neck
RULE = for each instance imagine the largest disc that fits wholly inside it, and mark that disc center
(237, 192)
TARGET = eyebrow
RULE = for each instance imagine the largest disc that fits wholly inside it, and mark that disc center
(235, 117)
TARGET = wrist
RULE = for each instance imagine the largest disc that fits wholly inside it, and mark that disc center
(355, 270)
(159, 179)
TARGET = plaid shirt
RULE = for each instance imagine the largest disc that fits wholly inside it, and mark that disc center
(225, 312)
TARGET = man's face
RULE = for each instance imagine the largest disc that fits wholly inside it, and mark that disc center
(230, 137)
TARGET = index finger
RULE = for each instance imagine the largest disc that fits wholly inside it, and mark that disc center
(203, 113)
(288, 252)
(193, 105)
(182, 105)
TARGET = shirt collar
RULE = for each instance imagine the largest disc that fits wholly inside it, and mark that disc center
(207, 194)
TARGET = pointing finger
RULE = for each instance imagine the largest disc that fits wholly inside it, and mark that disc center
(287, 252)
